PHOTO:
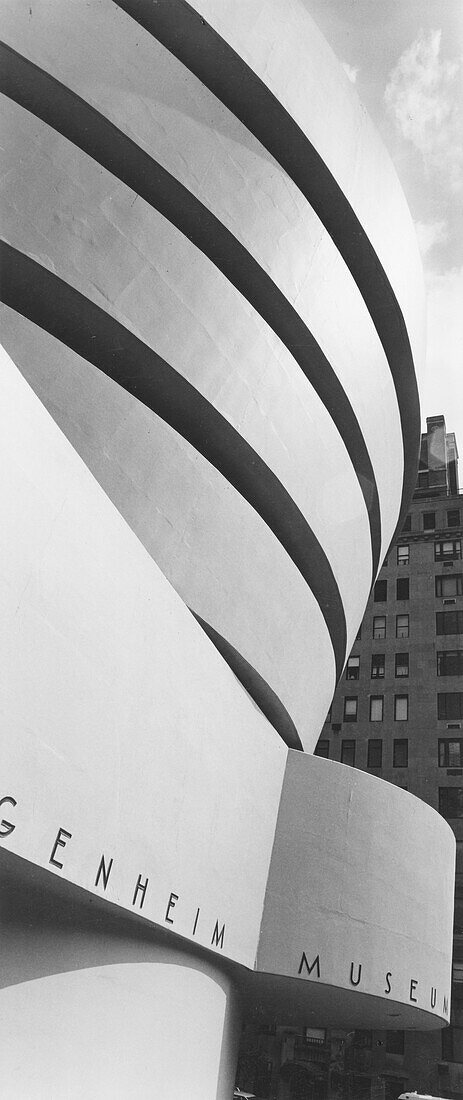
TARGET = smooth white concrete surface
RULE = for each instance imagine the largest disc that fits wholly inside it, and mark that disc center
(153, 280)
(122, 1030)
(345, 887)
(213, 547)
(171, 114)
(276, 41)
(125, 727)
(220, 162)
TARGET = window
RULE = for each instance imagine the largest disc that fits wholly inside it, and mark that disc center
(348, 753)
(402, 588)
(450, 753)
(380, 591)
(403, 555)
(350, 708)
(375, 753)
(407, 524)
(450, 550)
(395, 1042)
(423, 479)
(401, 708)
(402, 624)
(453, 517)
(379, 626)
(400, 753)
(449, 622)
(353, 668)
(449, 585)
(450, 662)
(322, 749)
(376, 708)
(359, 633)
(450, 704)
(447, 1050)
(401, 664)
(429, 521)
(377, 666)
(451, 802)
(363, 1040)
(315, 1036)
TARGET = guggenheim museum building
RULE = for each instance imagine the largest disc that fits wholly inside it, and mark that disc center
(212, 326)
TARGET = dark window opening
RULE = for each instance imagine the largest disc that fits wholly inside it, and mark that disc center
(395, 1042)
(380, 592)
(451, 802)
(447, 1034)
(363, 1039)
(450, 662)
(348, 753)
(451, 585)
(377, 666)
(375, 753)
(450, 705)
(401, 664)
(400, 753)
(450, 753)
(449, 622)
(403, 588)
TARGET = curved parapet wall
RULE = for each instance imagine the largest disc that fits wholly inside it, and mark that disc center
(178, 220)
(346, 909)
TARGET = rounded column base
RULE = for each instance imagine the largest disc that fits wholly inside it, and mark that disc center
(166, 1026)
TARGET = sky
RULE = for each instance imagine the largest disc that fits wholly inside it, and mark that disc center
(405, 58)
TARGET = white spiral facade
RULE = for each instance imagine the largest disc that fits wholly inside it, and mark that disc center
(213, 296)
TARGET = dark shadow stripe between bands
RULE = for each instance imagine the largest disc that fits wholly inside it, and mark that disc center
(66, 314)
(187, 35)
(90, 131)
(258, 688)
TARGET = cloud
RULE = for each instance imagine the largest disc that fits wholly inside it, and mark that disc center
(351, 72)
(424, 97)
(429, 234)
(442, 389)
